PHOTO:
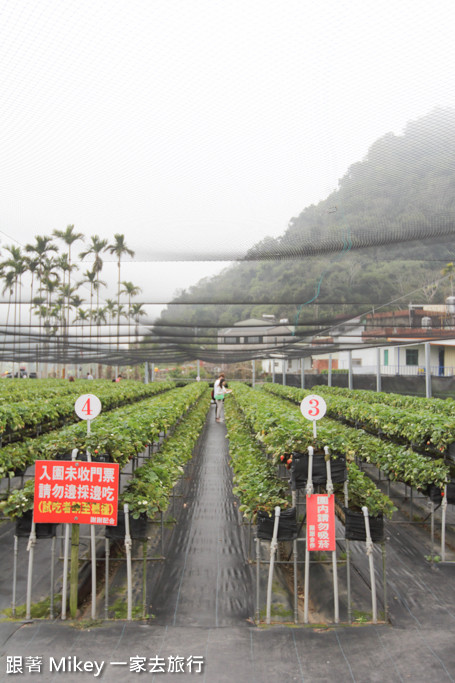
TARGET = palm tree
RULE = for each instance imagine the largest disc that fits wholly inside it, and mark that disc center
(96, 248)
(16, 264)
(41, 250)
(131, 290)
(81, 316)
(111, 307)
(74, 303)
(119, 248)
(32, 266)
(9, 278)
(90, 278)
(137, 312)
(69, 236)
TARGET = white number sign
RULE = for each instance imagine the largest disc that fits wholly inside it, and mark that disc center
(313, 407)
(87, 407)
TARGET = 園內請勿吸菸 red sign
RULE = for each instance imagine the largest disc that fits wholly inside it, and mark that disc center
(320, 528)
(76, 492)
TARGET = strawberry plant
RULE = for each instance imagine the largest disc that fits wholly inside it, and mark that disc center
(400, 463)
(255, 479)
(290, 432)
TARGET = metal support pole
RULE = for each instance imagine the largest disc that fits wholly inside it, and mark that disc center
(285, 362)
(273, 547)
(144, 579)
(107, 552)
(51, 603)
(253, 372)
(443, 524)
(65, 569)
(162, 535)
(258, 579)
(153, 371)
(350, 384)
(309, 492)
(146, 372)
(329, 376)
(384, 581)
(128, 544)
(432, 528)
(31, 551)
(13, 603)
(302, 373)
(378, 370)
(348, 558)
(273, 371)
(92, 544)
(294, 552)
(329, 488)
(369, 549)
(74, 572)
(66, 546)
(427, 370)
(249, 539)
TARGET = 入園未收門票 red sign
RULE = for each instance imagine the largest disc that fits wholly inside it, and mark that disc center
(76, 492)
(320, 530)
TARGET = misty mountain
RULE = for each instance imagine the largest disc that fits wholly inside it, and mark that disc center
(381, 239)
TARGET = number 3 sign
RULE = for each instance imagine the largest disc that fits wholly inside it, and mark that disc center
(313, 407)
(87, 407)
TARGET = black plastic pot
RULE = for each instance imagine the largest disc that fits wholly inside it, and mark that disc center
(299, 469)
(354, 526)
(24, 527)
(98, 457)
(287, 527)
(63, 456)
(138, 528)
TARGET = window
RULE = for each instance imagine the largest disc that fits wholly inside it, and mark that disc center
(386, 356)
(253, 340)
(356, 361)
(412, 356)
(229, 340)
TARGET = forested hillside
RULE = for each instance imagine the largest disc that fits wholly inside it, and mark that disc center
(352, 251)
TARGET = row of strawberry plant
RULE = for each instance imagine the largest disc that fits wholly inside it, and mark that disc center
(50, 412)
(120, 433)
(399, 463)
(417, 403)
(424, 430)
(256, 482)
(282, 430)
(149, 490)
(14, 392)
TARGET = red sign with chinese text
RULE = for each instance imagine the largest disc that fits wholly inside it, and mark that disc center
(320, 529)
(76, 492)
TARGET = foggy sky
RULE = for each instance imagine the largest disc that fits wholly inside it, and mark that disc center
(200, 126)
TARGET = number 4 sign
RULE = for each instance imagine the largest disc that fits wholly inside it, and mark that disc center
(313, 407)
(87, 407)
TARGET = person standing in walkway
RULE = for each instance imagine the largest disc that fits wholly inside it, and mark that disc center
(220, 393)
(216, 386)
